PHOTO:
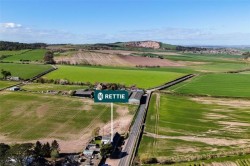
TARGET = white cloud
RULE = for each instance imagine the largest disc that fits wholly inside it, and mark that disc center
(10, 25)
(181, 36)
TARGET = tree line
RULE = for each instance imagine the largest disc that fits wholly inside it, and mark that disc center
(28, 153)
(5, 45)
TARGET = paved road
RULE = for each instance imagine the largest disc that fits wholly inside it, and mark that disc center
(136, 129)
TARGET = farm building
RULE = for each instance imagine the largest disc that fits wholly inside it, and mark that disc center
(84, 93)
(106, 139)
(88, 153)
(135, 97)
(14, 88)
(12, 78)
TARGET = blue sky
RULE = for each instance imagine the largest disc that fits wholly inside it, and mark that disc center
(187, 22)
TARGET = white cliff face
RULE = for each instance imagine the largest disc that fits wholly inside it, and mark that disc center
(144, 44)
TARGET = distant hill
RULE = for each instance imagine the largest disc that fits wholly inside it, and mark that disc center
(5, 45)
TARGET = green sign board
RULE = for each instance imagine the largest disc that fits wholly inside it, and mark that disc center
(111, 96)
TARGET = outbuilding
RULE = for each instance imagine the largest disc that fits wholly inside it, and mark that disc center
(84, 93)
(135, 97)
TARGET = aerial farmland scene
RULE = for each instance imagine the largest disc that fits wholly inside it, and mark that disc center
(124, 83)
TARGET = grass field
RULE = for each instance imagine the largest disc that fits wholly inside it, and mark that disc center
(4, 84)
(182, 128)
(24, 71)
(226, 161)
(12, 52)
(45, 87)
(140, 78)
(31, 55)
(26, 116)
(232, 85)
(204, 57)
(220, 67)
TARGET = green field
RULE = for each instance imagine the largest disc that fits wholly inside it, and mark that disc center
(4, 84)
(220, 67)
(31, 55)
(233, 85)
(186, 129)
(12, 52)
(24, 71)
(56, 87)
(28, 116)
(140, 78)
(204, 57)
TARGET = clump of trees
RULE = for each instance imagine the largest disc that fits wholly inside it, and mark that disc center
(28, 153)
(49, 58)
(5, 74)
(246, 55)
(106, 150)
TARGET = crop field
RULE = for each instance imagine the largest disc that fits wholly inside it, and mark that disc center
(41, 117)
(4, 84)
(193, 128)
(233, 85)
(140, 78)
(24, 71)
(12, 52)
(50, 87)
(204, 57)
(220, 67)
(31, 55)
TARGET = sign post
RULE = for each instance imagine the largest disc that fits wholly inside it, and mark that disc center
(111, 96)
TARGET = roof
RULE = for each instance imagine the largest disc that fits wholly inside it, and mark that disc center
(83, 92)
(106, 138)
(136, 95)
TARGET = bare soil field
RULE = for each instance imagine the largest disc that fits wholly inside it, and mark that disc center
(113, 58)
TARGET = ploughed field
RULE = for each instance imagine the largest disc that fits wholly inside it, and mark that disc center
(140, 78)
(182, 128)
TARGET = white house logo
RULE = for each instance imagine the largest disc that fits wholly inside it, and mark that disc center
(100, 96)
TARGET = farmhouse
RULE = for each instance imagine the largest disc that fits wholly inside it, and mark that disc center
(135, 97)
(84, 93)
(14, 88)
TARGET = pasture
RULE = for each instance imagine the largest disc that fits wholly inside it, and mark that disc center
(6, 52)
(31, 117)
(220, 67)
(24, 71)
(4, 84)
(30, 55)
(50, 87)
(140, 78)
(187, 129)
(230, 85)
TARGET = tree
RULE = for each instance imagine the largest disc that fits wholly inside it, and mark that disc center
(4, 148)
(5, 73)
(49, 58)
(106, 150)
(38, 149)
(55, 146)
(54, 155)
(246, 55)
(20, 151)
(46, 150)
